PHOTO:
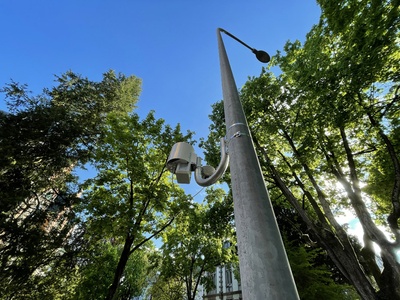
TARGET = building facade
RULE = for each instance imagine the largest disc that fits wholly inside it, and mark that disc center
(227, 287)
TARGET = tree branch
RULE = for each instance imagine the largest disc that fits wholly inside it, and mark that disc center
(153, 235)
(395, 197)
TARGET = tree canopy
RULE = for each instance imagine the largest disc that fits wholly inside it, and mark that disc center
(55, 230)
(132, 199)
(42, 138)
(198, 241)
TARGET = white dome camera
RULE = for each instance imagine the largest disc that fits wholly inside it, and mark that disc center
(182, 161)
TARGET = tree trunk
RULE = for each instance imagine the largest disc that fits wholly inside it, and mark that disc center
(120, 268)
(390, 278)
(347, 262)
(340, 251)
(389, 283)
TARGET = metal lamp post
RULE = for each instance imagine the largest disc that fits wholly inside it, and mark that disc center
(264, 268)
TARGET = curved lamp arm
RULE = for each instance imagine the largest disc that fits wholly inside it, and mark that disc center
(261, 55)
(203, 179)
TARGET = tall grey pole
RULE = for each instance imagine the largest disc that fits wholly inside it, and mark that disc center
(264, 268)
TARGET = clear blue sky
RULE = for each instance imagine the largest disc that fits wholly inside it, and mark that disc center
(171, 45)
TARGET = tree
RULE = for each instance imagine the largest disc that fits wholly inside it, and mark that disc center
(132, 199)
(99, 267)
(314, 272)
(159, 287)
(167, 289)
(197, 242)
(314, 280)
(42, 138)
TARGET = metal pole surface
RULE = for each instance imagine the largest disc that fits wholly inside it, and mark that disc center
(264, 268)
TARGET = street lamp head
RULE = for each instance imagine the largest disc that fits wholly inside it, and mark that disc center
(262, 56)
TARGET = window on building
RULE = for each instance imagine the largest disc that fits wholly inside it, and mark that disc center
(228, 279)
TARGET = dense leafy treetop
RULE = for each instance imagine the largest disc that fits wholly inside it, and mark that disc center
(42, 138)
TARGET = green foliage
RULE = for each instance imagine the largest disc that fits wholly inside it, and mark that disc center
(167, 289)
(132, 199)
(199, 240)
(315, 281)
(132, 189)
(42, 139)
(99, 267)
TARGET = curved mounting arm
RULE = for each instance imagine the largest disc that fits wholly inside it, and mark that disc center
(213, 178)
(261, 55)
(234, 37)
